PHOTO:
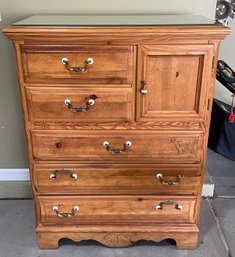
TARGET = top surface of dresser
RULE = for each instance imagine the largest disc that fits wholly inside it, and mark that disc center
(114, 20)
(116, 28)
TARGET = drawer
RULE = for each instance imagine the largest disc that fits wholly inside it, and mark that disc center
(79, 104)
(116, 179)
(112, 145)
(116, 209)
(109, 65)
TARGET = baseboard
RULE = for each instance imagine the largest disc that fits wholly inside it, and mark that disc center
(208, 185)
(14, 174)
(15, 183)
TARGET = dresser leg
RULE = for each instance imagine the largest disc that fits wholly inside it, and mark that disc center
(47, 240)
(185, 242)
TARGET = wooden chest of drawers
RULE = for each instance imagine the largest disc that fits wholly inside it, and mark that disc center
(117, 123)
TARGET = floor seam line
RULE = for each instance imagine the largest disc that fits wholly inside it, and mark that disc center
(225, 197)
(220, 229)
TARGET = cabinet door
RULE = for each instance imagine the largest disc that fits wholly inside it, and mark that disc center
(173, 81)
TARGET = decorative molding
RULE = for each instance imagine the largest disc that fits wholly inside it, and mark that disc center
(149, 125)
(184, 146)
(117, 240)
(50, 240)
(14, 175)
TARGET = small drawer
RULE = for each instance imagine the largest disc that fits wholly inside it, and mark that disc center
(116, 179)
(116, 209)
(138, 146)
(77, 64)
(80, 104)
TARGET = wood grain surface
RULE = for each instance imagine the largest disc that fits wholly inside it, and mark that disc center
(168, 127)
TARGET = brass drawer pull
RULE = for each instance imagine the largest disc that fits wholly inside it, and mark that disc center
(89, 103)
(169, 183)
(65, 214)
(88, 62)
(161, 204)
(126, 147)
(73, 176)
(144, 88)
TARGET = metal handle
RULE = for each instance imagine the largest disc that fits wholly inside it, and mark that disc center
(65, 214)
(126, 147)
(88, 62)
(167, 182)
(73, 176)
(144, 88)
(161, 204)
(89, 103)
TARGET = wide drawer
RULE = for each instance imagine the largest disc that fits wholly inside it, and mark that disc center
(122, 145)
(45, 63)
(116, 209)
(116, 179)
(79, 104)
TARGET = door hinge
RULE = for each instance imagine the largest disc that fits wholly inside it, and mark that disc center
(213, 63)
(208, 104)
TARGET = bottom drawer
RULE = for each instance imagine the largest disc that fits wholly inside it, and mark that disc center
(116, 209)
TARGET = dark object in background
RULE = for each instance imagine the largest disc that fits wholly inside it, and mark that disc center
(222, 133)
(225, 75)
(222, 129)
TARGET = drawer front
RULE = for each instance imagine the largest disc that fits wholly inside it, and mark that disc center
(116, 209)
(116, 179)
(45, 63)
(80, 104)
(122, 145)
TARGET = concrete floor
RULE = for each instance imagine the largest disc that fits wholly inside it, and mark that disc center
(217, 227)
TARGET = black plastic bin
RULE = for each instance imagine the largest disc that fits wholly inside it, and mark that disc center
(222, 133)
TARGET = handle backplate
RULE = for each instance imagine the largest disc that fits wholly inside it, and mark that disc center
(89, 103)
(160, 177)
(162, 204)
(65, 214)
(88, 62)
(73, 176)
(125, 148)
(144, 88)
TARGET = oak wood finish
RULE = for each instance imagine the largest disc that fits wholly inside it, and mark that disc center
(48, 104)
(181, 147)
(115, 179)
(43, 64)
(176, 80)
(116, 209)
(117, 194)
(148, 125)
(185, 235)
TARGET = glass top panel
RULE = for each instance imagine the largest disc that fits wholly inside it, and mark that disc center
(114, 20)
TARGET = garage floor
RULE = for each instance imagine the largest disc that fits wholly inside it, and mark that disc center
(217, 226)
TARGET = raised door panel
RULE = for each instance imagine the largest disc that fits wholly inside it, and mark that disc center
(173, 81)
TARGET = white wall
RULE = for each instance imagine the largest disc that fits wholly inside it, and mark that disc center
(227, 54)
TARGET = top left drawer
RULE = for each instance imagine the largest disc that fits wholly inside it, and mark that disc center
(75, 64)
